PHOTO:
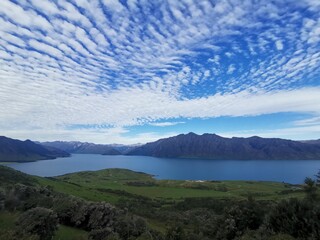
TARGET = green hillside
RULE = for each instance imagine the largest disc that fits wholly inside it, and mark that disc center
(130, 183)
(162, 208)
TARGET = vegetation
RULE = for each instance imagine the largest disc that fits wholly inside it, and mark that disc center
(38, 221)
(318, 178)
(112, 184)
(122, 204)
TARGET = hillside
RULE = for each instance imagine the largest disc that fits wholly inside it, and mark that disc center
(146, 208)
(83, 147)
(212, 146)
(12, 150)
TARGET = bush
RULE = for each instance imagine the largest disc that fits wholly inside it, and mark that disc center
(38, 221)
(2, 198)
(300, 219)
(176, 233)
(310, 187)
(12, 235)
(100, 215)
(130, 227)
(238, 219)
(68, 209)
(100, 234)
(281, 237)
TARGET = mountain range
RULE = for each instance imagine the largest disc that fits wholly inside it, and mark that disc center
(83, 147)
(90, 148)
(12, 150)
(212, 146)
(191, 145)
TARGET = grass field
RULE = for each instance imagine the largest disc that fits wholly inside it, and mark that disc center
(111, 184)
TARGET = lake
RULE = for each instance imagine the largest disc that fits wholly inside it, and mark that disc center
(291, 171)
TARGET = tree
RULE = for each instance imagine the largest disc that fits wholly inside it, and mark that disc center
(310, 188)
(175, 233)
(2, 198)
(318, 178)
(38, 221)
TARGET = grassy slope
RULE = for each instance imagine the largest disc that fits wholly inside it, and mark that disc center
(90, 185)
(104, 185)
(8, 176)
(112, 185)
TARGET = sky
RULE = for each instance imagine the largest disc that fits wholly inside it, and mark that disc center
(134, 71)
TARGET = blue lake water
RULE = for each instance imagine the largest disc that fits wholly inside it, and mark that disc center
(291, 171)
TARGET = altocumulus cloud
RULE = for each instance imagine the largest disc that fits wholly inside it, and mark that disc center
(132, 62)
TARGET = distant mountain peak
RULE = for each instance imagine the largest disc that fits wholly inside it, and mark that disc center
(192, 134)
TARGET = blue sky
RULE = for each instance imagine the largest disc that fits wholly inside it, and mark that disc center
(129, 71)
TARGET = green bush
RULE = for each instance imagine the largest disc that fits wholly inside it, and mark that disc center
(175, 233)
(100, 234)
(300, 219)
(38, 221)
(130, 226)
(237, 219)
(2, 198)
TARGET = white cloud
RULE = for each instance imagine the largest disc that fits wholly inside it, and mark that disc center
(294, 133)
(99, 136)
(308, 121)
(231, 69)
(279, 45)
(45, 48)
(46, 7)
(113, 5)
(76, 63)
(165, 124)
(207, 73)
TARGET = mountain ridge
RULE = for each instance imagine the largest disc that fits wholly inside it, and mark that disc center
(212, 146)
(13, 150)
(89, 148)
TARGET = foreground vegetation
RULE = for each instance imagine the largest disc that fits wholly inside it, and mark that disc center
(122, 204)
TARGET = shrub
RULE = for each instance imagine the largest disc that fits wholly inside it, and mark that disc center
(2, 198)
(38, 221)
(130, 227)
(100, 215)
(175, 233)
(310, 188)
(100, 234)
(300, 219)
(237, 219)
